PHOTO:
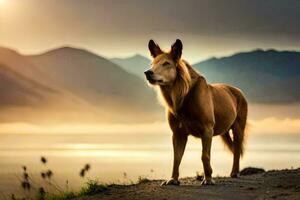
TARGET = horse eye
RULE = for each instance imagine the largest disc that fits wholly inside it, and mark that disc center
(166, 63)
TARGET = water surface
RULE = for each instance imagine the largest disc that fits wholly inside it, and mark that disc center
(123, 157)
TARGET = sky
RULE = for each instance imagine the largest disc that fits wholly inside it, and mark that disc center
(120, 28)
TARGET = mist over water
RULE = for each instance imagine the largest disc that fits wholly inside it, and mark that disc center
(144, 154)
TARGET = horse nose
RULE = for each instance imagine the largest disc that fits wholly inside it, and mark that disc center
(149, 72)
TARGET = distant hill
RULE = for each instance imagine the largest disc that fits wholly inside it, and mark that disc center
(21, 65)
(136, 64)
(18, 90)
(96, 77)
(21, 83)
(77, 76)
(265, 76)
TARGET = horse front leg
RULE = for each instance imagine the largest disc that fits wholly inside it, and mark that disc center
(179, 143)
(206, 140)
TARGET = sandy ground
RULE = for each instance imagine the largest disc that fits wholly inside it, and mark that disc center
(283, 184)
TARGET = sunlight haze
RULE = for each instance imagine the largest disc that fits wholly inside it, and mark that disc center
(97, 92)
(126, 30)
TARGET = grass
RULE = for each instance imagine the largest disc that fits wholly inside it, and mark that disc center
(91, 187)
(143, 180)
(62, 196)
(50, 190)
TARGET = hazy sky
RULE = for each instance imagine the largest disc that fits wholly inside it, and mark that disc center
(123, 27)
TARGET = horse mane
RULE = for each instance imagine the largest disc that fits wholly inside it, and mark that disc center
(174, 95)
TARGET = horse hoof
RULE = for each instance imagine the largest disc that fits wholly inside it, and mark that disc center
(208, 182)
(234, 175)
(170, 182)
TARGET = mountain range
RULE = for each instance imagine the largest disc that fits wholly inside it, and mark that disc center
(265, 76)
(68, 82)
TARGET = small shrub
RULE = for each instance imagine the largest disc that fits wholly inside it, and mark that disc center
(143, 180)
(92, 187)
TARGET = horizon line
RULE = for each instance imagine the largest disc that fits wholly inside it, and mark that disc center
(75, 47)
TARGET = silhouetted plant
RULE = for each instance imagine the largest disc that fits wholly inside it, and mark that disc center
(84, 170)
(43, 160)
(124, 175)
(25, 181)
(67, 185)
(91, 187)
(42, 194)
(87, 167)
(25, 185)
(82, 173)
(49, 173)
(25, 176)
(47, 176)
(43, 175)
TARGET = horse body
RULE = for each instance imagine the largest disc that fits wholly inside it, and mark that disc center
(197, 108)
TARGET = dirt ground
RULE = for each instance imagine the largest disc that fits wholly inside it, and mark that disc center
(279, 184)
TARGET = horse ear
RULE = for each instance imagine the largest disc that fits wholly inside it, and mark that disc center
(154, 49)
(176, 50)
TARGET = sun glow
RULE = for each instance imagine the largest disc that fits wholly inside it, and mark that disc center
(2, 2)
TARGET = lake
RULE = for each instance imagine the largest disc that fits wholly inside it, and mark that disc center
(123, 157)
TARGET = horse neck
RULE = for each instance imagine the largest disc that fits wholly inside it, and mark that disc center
(173, 99)
(166, 92)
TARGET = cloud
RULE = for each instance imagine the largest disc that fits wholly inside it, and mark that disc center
(275, 126)
(113, 28)
(270, 125)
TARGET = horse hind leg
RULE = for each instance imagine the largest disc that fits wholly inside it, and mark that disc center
(238, 130)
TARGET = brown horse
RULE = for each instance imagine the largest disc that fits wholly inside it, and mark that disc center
(197, 108)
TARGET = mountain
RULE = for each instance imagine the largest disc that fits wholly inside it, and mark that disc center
(20, 81)
(116, 94)
(136, 64)
(95, 78)
(16, 89)
(265, 76)
(21, 65)
(74, 82)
